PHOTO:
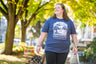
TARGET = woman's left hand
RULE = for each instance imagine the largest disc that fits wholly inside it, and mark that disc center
(75, 51)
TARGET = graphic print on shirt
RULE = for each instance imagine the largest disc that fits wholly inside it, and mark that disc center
(60, 30)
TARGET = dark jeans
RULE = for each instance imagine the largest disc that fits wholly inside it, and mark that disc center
(55, 58)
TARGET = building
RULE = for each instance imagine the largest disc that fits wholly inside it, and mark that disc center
(3, 27)
(86, 34)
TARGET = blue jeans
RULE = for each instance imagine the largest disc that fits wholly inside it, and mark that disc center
(55, 58)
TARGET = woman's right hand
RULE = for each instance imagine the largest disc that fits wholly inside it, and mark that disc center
(38, 48)
(41, 38)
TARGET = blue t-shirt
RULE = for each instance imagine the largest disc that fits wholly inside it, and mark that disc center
(58, 38)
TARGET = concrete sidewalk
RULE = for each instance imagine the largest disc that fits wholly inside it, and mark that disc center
(1, 51)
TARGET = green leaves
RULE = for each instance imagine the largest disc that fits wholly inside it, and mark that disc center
(1, 15)
(83, 10)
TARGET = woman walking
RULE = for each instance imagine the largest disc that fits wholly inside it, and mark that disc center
(58, 30)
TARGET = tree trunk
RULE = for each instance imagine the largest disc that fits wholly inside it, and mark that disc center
(23, 35)
(9, 36)
(23, 32)
(10, 30)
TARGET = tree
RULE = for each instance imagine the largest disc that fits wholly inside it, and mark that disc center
(84, 10)
(12, 10)
(35, 13)
(38, 10)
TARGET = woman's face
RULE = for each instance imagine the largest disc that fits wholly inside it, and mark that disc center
(58, 9)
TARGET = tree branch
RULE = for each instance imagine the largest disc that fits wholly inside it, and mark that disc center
(34, 14)
(44, 9)
(28, 22)
(4, 13)
(16, 1)
(16, 5)
(20, 12)
(4, 5)
(26, 14)
(39, 3)
(41, 6)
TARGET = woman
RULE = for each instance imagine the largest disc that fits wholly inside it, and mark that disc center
(58, 29)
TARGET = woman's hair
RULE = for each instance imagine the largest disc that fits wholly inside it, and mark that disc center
(64, 13)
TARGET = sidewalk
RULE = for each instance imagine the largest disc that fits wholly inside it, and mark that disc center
(74, 59)
(1, 51)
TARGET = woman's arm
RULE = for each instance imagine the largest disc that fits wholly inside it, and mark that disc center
(74, 37)
(41, 38)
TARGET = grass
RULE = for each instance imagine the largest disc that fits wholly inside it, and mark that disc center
(12, 59)
(10, 62)
(2, 46)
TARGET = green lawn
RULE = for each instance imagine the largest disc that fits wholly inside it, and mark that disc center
(13, 59)
(11, 62)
